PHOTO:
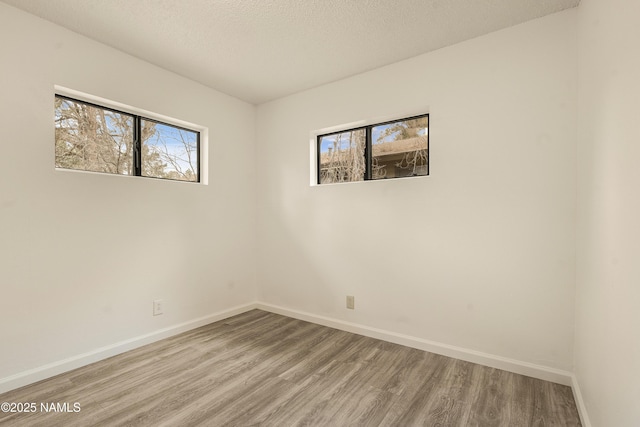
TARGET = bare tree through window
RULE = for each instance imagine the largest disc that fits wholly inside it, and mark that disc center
(401, 148)
(342, 157)
(387, 150)
(98, 139)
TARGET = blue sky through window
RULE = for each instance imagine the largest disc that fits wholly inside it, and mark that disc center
(341, 140)
(177, 147)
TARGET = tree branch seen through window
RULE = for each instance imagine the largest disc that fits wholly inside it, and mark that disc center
(385, 150)
(94, 138)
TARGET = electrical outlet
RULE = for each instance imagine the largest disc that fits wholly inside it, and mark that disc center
(351, 302)
(158, 307)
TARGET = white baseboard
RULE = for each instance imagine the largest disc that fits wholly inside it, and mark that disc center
(37, 374)
(511, 365)
(577, 396)
(516, 366)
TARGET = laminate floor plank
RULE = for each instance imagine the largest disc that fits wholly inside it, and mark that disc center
(326, 351)
(488, 407)
(424, 392)
(446, 405)
(522, 404)
(270, 362)
(263, 369)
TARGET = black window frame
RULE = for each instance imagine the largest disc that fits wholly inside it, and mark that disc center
(368, 150)
(137, 140)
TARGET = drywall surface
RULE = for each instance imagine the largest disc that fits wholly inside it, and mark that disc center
(481, 253)
(607, 353)
(82, 255)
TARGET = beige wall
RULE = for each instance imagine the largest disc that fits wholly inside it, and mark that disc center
(480, 254)
(483, 254)
(82, 256)
(607, 353)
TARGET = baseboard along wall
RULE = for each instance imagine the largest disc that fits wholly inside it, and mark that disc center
(511, 365)
(52, 369)
(524, 368)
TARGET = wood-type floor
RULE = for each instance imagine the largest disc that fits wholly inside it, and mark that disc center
(263, 369)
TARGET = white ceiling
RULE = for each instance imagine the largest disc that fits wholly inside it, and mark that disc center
(260, 50)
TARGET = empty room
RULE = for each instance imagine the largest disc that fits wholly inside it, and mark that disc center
(320, 212)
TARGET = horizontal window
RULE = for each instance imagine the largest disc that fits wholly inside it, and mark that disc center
(380, 151)
(94, 138)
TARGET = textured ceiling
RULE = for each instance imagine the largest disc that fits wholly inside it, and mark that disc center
(259, 50)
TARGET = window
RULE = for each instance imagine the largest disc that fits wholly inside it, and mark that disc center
(94, 138)
(386, 150)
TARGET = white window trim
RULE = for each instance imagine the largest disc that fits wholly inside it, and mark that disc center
(313, 141)
(103, 102)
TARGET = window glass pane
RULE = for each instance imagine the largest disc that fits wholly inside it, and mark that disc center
(342, 156)
(169, 152)
(94, 139)
(400, 149)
